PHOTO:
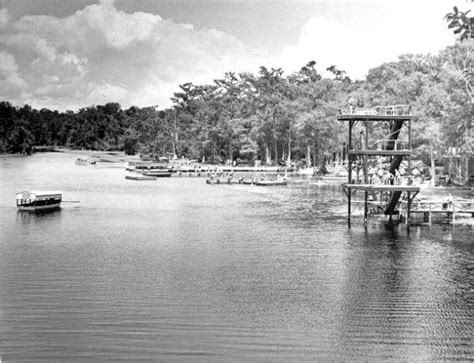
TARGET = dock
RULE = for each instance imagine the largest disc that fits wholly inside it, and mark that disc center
(449, 209)
(383, 188)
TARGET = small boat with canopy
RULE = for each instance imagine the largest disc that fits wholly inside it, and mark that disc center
(34, 201)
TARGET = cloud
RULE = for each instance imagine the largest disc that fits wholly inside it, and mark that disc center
(4, 17)
(12, 83)
(100, 54)
(378, 33)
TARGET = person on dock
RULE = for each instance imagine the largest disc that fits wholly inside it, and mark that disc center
(387, 178)
(397, 177)
(448, 202)
(352, 105)
(375, 179)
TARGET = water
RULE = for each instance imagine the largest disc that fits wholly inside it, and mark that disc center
(175, 269)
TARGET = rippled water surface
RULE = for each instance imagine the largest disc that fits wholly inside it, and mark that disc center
(175, 269)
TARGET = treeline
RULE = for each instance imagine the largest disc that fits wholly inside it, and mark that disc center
(267, 116)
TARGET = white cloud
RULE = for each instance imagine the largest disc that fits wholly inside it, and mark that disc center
(417, 27)
(12, 83)
(100, 54)
(4, 17)
(43, 49)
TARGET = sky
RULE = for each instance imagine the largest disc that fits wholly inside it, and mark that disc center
(69, 54)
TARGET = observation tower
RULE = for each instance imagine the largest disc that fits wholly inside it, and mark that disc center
(379, 160)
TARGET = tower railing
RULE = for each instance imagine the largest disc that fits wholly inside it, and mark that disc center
(390, 110)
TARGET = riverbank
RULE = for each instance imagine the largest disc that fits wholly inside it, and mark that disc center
(97, 155)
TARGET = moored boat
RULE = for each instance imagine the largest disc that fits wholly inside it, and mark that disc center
(159, 173)
(140, 177)
(38, 201)
(85, 161)
(222, 180)
(271, 182)
(306, 171)
(145, 166)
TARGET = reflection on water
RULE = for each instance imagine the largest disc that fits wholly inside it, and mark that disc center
(24, 217)
(177, 269)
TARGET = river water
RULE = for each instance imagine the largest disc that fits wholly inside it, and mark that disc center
(175, 269)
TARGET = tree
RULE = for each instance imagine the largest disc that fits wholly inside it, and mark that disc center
(461, 23)
(339, 74)
(130, 142)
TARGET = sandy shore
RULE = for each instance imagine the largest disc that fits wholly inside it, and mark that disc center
(100, 156)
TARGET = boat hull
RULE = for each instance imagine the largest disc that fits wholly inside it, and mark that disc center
(222, 181)
(41, 208)
(270, 183)
(160, 174)
(140, 177)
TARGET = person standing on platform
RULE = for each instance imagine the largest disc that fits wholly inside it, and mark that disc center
(397, 177)
(352, 104)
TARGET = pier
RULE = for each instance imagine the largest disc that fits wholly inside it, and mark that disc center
(443, 208)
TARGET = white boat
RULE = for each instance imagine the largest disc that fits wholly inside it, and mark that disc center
(140, 177)
(306, 171)
(270, 182)
(34, 201)
(159, 173)
(145, 166)
(85, 161)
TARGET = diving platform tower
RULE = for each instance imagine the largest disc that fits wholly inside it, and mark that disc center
(378, 140)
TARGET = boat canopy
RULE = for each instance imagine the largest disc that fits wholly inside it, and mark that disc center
(33, 195)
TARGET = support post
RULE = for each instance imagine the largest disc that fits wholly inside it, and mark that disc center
(349, 174)
(408, 210)
(366, 174)
(349, 207)
(366, 208)
(409, 147)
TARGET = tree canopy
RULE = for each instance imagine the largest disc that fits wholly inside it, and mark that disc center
(267, 116)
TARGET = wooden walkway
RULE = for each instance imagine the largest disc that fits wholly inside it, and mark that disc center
(383, 187)
(381, 152)
(441, 207)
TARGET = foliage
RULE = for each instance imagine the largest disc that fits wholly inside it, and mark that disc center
(266, 116)
(461, 23)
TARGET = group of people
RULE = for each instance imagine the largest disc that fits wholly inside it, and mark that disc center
(401, 177)
(228, 177)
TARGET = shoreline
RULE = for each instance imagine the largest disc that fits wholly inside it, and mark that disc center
(98, 155)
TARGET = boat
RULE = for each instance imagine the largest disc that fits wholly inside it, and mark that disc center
(222, 180)
(270, 182)
(85, 161)
(145, 166)
(140, 177)
(159, 173)
(247, 181)
(38, 201)
(306, 171)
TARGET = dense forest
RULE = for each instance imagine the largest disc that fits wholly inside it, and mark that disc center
(268, 116)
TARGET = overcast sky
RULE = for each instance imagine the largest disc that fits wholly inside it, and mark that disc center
(67, 54)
